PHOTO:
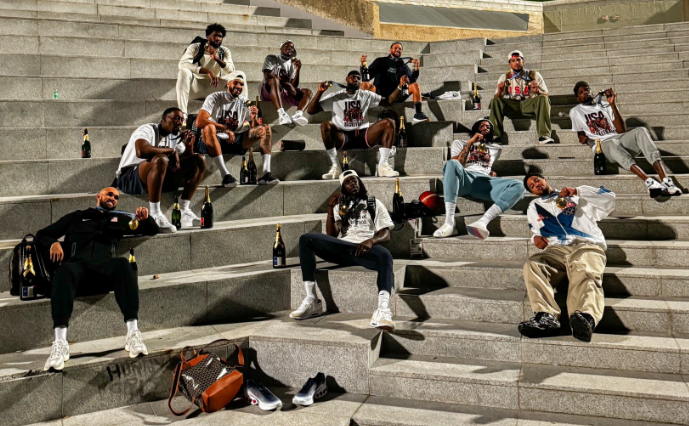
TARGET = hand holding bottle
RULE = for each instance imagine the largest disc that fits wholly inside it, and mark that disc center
(610, 95)
(142, 213)
(322, 87)
(404, 80)
(416, 63)
(568, 192)
(363, 59)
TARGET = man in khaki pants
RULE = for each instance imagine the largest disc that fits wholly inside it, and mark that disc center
(564, 226)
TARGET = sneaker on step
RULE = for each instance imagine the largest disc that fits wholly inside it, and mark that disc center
(309, 308)
(222, 136)
(268, 179)
(59, 353)
(444, 231)
(314, 388)
(382, 320)
(655, 189)
(257, 394)
(541, 325)
(451, 95)
(165, 226)
(299, 119)
(228, 181)
(419, 117)
(671, 188)
(543, 140)
(478, 229)
(189, 219)
(582, 326)
(384, 170)
(285, 119)
(334, 172)
(135, 344)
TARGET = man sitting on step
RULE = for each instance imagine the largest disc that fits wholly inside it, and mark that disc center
(281, 84)
(349, 127)
(90, 267)
(204, 67)
(157, 158)
(356, 226)
(386, 73)
(229, 126)
(521, 93)
(469, 174)
(564, 226)
(602, 120)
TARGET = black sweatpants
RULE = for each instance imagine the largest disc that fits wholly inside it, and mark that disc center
(334, 250)
(89, 276)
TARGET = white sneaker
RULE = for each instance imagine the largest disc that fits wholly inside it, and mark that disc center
(448, 96)
(309, 308)
(384, 170)
(670, 186)
(165, 226)
(382, 320)
(284, 119)
(189, 219)
(222, 136)
(59, 353)
(478, 229)
(444, 231)
(655, 189)
(135, 344)
(334, 173)
(299, 119)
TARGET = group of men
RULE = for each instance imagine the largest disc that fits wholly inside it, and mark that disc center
(166, 155)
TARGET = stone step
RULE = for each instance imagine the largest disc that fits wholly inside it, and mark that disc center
(567, 390)
(618, 74)
(493, 72)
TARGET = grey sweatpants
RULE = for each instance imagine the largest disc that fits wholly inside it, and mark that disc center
(622, 150)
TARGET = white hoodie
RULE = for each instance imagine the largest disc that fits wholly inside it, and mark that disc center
(576, 223)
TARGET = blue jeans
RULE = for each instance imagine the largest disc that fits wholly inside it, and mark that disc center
(458, 182)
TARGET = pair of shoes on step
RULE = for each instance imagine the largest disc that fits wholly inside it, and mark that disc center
(544, 324)
(59, 352)
(477, 229)
(257, 394)
(313, 307)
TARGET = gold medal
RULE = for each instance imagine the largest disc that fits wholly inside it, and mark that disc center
(561, 202)
(133, 224)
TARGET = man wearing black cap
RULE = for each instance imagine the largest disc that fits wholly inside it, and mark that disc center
(349, 127)
(386, 73)
(521, 92)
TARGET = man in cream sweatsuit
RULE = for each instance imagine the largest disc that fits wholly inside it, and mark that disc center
(203, 74)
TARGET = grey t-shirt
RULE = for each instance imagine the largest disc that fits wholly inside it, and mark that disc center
(350, 112)
(280, 67)
(229, 111)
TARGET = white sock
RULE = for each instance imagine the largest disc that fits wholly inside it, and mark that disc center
(490, 214)
(384, 155)
(61, 334)
(185, 204)
(450, 213)
(220, 164)
(154, 208)
(332, 153)
(132, 325)
(266, 163)
(310, 287)
(281, 111)
(383, 299)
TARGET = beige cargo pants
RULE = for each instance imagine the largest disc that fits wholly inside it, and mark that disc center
(582, 264)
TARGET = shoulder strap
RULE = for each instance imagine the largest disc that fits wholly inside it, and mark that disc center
(371, 207)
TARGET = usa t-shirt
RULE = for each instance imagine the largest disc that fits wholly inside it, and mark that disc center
(151, 134)
(517, 85)
(228, 111)
(477, 161)
(597, 122)
(350, 112)
(283, 69)
(359, 226)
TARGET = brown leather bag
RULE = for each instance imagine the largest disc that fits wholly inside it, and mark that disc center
(206, 380)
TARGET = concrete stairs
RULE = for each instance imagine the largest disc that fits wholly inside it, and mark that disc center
(456, 357)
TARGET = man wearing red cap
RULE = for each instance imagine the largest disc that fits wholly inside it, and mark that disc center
(521, 92)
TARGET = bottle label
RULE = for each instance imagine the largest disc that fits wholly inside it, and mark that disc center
(277, 261)
(203, 221)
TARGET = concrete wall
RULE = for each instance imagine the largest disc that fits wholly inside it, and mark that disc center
(361, 15)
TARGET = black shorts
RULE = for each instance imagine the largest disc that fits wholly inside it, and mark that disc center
(355, 139)
(129, 181)
(235, 148)
(400, 99)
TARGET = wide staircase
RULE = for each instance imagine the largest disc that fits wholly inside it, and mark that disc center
(456, 357)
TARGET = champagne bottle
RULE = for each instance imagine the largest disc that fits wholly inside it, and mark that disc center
(476, 98)
(259, 114)
(244, 173)
(345, 161)
(279, 250)
(397, 201)
(176, 214)
(86, 146)
(599, 160)
(132, 259)
(365, 74)
(207, 211)
(402, 135)
(251, 166)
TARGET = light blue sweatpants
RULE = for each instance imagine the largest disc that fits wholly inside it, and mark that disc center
(458, 182)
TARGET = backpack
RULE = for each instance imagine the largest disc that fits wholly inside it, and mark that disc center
(30, 274)
(202, 43)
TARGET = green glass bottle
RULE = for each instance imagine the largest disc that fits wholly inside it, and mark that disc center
(177, 214)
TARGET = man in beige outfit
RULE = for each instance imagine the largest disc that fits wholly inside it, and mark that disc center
(564, 227)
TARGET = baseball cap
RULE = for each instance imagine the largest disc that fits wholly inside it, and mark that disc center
(515, 53)
(346, 174)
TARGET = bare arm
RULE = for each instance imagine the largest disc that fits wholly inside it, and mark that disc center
(204, 119)
(147, 151)
(393, 96)
(315, 104)
(464, 153)
(619, 122)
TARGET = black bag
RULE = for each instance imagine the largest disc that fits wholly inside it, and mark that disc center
(30, 274)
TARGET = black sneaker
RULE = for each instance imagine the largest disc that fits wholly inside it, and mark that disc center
(543, 140)
(429, 96)
(268, 179)
(229, 181)
(419, 117)
(582, 326)
(541, 325)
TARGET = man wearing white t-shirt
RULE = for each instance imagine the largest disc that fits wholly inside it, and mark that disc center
(356, 226)
(349, 127)
(469, 173)
(157, 158)
(602, 120)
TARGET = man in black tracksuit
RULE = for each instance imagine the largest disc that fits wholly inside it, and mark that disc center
(90, 266)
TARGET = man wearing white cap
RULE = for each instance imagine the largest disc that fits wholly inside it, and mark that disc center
(356, 226)
(281, 84)
(229, 126)
(520, 93)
